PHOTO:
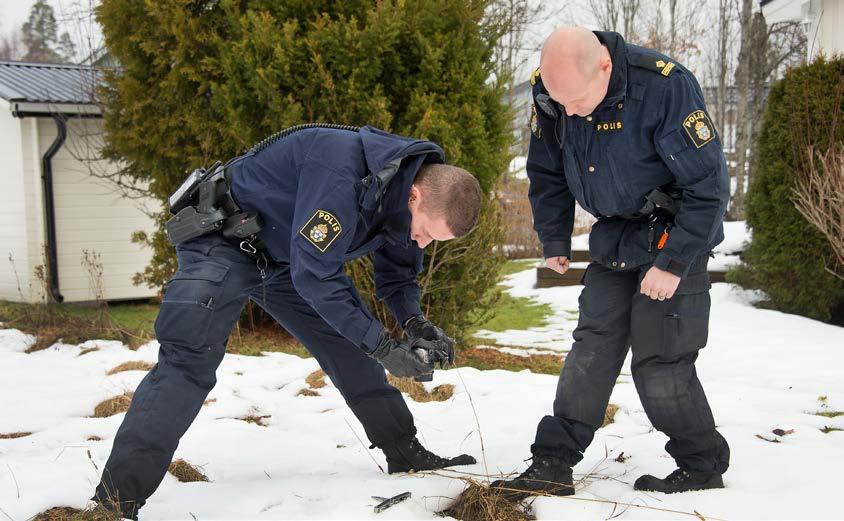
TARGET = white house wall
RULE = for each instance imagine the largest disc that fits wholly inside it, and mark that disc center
(830, 39)
(92, 215)
(15, 222)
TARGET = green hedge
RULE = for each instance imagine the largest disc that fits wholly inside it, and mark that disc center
(205, 79)
(787, 256)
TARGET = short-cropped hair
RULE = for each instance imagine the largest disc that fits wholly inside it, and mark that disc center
(451, 192)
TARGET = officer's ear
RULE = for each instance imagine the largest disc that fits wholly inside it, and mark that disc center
(415, 198)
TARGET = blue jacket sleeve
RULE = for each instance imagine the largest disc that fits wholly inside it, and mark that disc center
(323, 227)
(687, 142)
(550, 199)
(396, 269)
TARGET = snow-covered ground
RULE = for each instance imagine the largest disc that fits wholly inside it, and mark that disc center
(763, 370)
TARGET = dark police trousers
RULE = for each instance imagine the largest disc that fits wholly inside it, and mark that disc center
(665, 338)
(202, 304)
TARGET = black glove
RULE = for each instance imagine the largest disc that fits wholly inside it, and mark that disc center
(420, 328)
(402, 359)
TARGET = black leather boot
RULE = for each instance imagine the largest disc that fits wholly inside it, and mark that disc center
(408, 455)
(679, 481)
(546, 475)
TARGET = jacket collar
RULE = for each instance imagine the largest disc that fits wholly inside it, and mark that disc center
(618, 79)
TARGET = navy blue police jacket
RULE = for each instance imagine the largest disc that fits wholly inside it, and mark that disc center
(651, 130)
(321, 207)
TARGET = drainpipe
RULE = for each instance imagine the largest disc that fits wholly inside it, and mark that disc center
(47, 180)
(50, 207)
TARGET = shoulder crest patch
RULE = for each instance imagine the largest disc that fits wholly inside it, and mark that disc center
(699, 128)
(321, 230)
(534, 77)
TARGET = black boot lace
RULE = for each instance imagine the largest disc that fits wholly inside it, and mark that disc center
(537, 465)
(427, 456)
(677, 477)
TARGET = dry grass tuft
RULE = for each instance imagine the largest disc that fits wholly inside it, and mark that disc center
(87, 350)
(99, 513)
(112, 406)
(185, 472)
(609, 415)
(13, 435)
(253, 418)
(137, 365)
(94, 438)
(483, 358)
(316, 379)
(210, 400)
(481, 503)
(307, 392)
(418, 392)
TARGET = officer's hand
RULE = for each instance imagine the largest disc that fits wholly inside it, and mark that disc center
(398, 357)
(418, 327)
(558, 264)
(659, 284)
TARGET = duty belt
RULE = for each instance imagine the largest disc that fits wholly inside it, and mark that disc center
(662, 203)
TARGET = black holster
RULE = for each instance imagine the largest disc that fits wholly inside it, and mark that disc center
(204, 204)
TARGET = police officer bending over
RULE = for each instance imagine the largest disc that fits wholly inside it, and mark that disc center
(324, 196)
(624, 131)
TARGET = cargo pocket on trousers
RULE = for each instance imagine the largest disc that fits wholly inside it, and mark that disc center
(686, 320)
(184, 318)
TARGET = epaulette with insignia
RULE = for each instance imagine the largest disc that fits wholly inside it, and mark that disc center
(653, 63)
(534, 77)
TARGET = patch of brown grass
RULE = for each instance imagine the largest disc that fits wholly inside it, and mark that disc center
(609, 415)
(418, 392)
(316, 380)
(136, 365)
(481, 503)
(253, 418)
(210, 400)
(94, 438)
(185, 472)
(87, 350)
(115, 405)
(99, 513)
(307, 392)
(76, 330)
(485, 359)
(13, 435)
(266, 339)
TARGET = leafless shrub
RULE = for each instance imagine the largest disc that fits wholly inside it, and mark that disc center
(819, 197)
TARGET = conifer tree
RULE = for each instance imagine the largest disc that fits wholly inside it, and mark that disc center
(41, 38)
(204, 80)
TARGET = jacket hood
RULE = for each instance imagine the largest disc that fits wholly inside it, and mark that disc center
(402, 157)
(380, 148)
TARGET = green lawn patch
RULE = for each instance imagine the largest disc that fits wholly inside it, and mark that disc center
(515, 266)
(516, 313)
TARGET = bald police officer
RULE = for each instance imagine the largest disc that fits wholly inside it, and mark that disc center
(326, 196)
(624, 131)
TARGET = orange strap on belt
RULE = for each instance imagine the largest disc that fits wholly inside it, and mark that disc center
(662, 240)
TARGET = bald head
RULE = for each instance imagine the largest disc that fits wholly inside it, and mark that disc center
(575, 69)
